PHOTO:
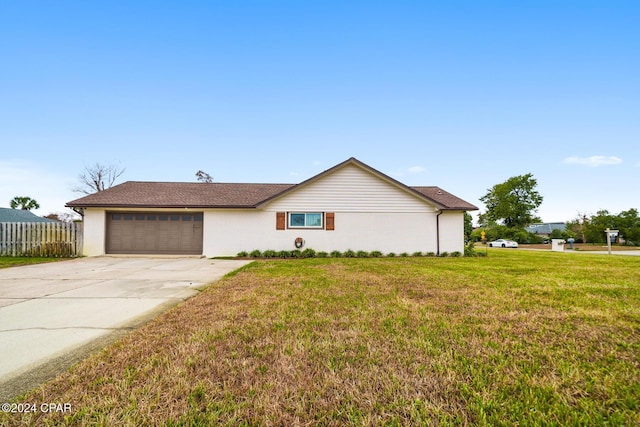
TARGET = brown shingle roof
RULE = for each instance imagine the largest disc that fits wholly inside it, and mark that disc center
(448, 200)
(180, 194)
(139, 194)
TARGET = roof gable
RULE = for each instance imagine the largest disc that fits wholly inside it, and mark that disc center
(139, 194)
(433, 195)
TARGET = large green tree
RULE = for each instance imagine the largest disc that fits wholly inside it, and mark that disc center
(513, 202)
(24, 203)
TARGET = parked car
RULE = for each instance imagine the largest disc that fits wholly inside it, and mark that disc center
(503, 243)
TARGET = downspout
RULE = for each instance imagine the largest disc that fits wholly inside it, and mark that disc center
(438, 232)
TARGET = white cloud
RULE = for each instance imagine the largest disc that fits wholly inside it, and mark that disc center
(593, 161)
(416, 169)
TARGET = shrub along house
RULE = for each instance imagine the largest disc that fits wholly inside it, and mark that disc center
(349, 206)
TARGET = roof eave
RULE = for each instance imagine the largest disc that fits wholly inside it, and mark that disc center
(155, 206)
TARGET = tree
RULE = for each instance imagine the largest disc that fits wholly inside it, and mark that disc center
(628, 222)
(24, 203)
(577, 227)
(594, 227)
(98, 177)
(202, 176)
(513, 202)
(468, 226)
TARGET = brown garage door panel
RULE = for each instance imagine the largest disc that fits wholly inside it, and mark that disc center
(154, 233)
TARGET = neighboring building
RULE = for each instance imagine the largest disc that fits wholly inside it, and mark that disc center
(20, 215)
(350, 206)
(545, 229)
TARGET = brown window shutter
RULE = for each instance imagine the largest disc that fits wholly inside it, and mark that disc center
(329, 219)
(280, 220)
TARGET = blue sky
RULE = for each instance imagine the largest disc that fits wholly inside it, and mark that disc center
(459, 94)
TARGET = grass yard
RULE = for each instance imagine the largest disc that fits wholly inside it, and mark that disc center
(10, 261)
(517, 338)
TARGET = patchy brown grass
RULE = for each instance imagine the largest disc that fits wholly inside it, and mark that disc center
(515, 338)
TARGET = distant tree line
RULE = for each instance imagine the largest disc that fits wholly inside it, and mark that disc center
(511, 207)
(591, 229)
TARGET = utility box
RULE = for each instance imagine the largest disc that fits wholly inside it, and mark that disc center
(557, 245)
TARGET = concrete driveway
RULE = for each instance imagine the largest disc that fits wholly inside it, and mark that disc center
(52, 315)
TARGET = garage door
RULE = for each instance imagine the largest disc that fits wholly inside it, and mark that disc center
(154, 233)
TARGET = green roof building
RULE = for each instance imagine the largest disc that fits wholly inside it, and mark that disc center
(19, 215)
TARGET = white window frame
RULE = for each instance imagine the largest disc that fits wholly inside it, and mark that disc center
(316, 227)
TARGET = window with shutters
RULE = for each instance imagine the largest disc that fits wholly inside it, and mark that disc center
(310, 220)
(305, 220)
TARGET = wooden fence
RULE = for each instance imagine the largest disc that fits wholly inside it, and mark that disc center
(45, 239)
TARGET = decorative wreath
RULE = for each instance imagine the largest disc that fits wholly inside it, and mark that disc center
(299, 242)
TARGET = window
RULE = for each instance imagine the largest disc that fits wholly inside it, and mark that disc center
(305, 220)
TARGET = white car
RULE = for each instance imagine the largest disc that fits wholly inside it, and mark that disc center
(502, 243)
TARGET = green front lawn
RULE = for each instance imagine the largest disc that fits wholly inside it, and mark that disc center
(10, 261)
(516, 338)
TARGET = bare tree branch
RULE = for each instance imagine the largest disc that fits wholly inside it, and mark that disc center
(98, 178)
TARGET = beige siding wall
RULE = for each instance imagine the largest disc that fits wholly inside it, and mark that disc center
(452, 232)
(94, 229)
(351, 189)
(370, 214)
(228, 232)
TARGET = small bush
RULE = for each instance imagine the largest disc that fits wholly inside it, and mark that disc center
(470, 250)
(362, 254)
(417, 253)
(269, 253)
(243, 254)
(322, 254)
(375, 254)
(444, 254)
(284, 254)
(295, 253)
(255, 253)
(308, 253)
(391, 254)
(349, 254)
(431, 254)
(456, 254)
(336, 254)
(404, 254)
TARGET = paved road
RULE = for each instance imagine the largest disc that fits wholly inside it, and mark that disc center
(52, 315)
